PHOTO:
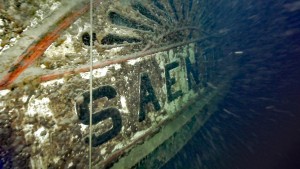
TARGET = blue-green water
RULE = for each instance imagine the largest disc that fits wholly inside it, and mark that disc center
(257, 125)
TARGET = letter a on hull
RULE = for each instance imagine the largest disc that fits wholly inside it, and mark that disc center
(151, 62)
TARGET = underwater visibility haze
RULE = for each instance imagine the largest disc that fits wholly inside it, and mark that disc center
(257, 125)
(171, 84)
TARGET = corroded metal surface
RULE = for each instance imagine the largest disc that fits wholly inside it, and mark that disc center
(151, 59)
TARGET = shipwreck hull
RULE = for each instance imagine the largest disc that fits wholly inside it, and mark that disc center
(157, 77)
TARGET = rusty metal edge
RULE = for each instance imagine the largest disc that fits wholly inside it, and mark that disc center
(36, 40)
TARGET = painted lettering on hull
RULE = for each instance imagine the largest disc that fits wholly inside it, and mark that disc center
(150, 101)
(131, 101)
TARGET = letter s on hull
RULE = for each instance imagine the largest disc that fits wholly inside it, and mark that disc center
(83, 112)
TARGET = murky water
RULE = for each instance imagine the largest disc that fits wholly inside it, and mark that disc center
(257, 125)
(151, 60)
